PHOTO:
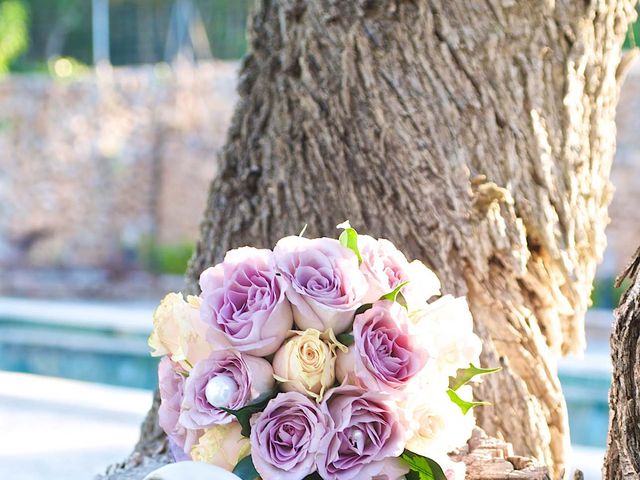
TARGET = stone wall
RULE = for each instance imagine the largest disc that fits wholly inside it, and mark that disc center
(91, 166)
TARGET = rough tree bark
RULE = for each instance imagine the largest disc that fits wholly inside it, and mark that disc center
(477, 135)
(622, 461)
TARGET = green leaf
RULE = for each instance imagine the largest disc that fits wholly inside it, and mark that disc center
(346, 339)
(363, 308)
(244, 414)
(422, 468)
(395, 295)
(313, 476)
(463, 404)
(349, 239)
(465, 375)
(246, 470)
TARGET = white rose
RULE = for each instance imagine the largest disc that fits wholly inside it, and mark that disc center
(446, 328)
(438, 425)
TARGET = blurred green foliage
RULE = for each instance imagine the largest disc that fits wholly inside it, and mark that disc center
(58, 28)
(139, 30)
(171, 259)
(227, 24)
(633, 34)
(604, 293)
(14, 36)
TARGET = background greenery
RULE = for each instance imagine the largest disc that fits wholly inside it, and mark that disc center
(605, 294)
(32, 32)
(158, 258)
(14, 21)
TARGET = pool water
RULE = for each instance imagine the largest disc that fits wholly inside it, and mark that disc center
(93, 355)
(587, 401)
(116, 357)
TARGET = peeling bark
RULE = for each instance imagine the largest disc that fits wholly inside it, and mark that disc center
(487, 458)
(622, 461)
(476, 135)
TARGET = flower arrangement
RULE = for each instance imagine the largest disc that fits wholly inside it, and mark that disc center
(324, 358)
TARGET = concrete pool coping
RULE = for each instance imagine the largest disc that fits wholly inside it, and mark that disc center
(126, 317)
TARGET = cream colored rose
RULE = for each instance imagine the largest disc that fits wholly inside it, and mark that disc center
(306, 362)
(178, 331)
(445, 329)
(438, 425)
(222, 445)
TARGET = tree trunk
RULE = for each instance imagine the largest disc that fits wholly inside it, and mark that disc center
(476, 135)
(623, 450)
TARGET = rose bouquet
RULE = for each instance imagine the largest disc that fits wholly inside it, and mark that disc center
(324, 358)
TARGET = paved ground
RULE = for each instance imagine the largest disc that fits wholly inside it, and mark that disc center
(589, 460)
(57, 429)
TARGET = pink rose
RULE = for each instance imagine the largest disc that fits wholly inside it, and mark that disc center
(286, 436)
(384, 356)
(244, 299)
(226, 379)
(364, 430)
(386, 267)
(171, 386)
(327, 285)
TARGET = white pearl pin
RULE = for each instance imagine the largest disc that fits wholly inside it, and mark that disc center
(220, 390)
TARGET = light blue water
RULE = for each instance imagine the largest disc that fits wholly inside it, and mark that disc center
(113, 358)
(101, 356)
(587, 400)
